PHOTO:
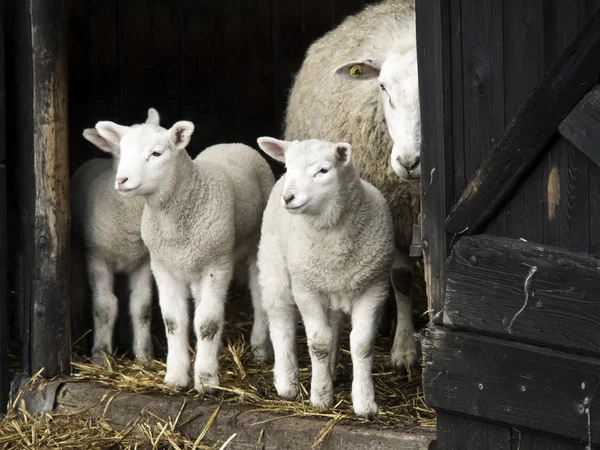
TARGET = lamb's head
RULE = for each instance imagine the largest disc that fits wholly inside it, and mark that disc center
(92, 135)
(398, 80)
(315, 172)
(148, 154)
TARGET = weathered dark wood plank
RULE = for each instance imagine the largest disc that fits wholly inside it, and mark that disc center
(43, 170)
(512, 383)
(582, 126)
(4, 374)
(525, 138)
(523, 68)
(528, 292)
(433, 53)
(273, 433)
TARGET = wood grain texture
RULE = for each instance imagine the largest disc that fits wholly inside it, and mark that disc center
(433, 53)
(4, 335)
(582, 126)
(43, 170)
(527, 292)
(513, 383)
(461, 432)
(526, 137)
(290, 433)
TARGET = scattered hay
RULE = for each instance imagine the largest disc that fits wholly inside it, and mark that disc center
(20, 429)
(243, 381)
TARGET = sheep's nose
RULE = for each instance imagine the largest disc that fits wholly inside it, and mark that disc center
(288, 198)
(121, 181)
(409, 164)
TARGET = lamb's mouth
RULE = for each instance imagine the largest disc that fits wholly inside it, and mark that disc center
(127, 191)
(296, 209)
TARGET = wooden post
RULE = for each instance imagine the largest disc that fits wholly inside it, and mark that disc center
(433, 53)
(4, 375)
(42, 175)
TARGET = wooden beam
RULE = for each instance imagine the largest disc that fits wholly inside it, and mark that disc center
(526, 137)
(43, 177)
(271, 430)
(528, 292)
(433, 54)
(582, 126)
(512, 383)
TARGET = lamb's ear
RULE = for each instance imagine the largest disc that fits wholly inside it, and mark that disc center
(343, 153)
(181, 133)
(275, 148)
(359, 70)
(153, 117)
(94, 137)
(111, 131)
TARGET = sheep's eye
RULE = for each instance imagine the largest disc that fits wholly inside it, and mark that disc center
(157, 154)
(382, 88)
(323, 170)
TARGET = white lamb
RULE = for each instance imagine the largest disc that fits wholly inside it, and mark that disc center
(200, 218)
(379, 115)
(109, 226)
(327, 246)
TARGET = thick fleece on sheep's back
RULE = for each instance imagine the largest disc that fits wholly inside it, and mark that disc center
(324, 106)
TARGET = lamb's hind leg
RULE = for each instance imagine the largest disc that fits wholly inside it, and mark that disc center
(259, 337)
(105, 306)
(209, 295)
(404, 353)
(336, 320)
(140, 306)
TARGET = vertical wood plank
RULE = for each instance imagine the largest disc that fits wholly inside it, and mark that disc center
(593, 170)
(43, 170)
(433, 53)
(4, 374)
(565, 180)
(523, 68)
(482, 87)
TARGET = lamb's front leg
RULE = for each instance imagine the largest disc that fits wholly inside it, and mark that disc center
(365, 317)
(320, 343)
(209, 318)
(140, 306)
(336, 320)
(173, 295)
(105, 305)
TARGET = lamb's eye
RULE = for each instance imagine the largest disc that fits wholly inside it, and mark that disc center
(382, 88)
(323, 170)
(157, 154)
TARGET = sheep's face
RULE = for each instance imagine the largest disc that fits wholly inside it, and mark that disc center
(399, 90)
(397, 76)
(312, 179)
(147, 154)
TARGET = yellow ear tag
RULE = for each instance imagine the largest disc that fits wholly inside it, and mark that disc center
(355, 71)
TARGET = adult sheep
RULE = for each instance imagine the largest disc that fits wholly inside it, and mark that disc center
(379, 116)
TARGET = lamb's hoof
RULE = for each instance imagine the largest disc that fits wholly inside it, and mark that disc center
(205, 383)
(288, 391)
(322, 399)
(405, 359)
(366, 409)
(262, 354)
(177, 378)
(145, 354)
(98, 357)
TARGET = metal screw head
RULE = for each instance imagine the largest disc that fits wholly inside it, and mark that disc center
(473, 260)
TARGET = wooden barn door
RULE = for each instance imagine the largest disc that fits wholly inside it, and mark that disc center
(512, 358)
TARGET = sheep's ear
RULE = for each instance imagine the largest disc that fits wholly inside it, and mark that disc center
(181, 133)
(364, 69)
(275, 148)
(111, 131)
(94, 137)
(343, 153)
(153, 117)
